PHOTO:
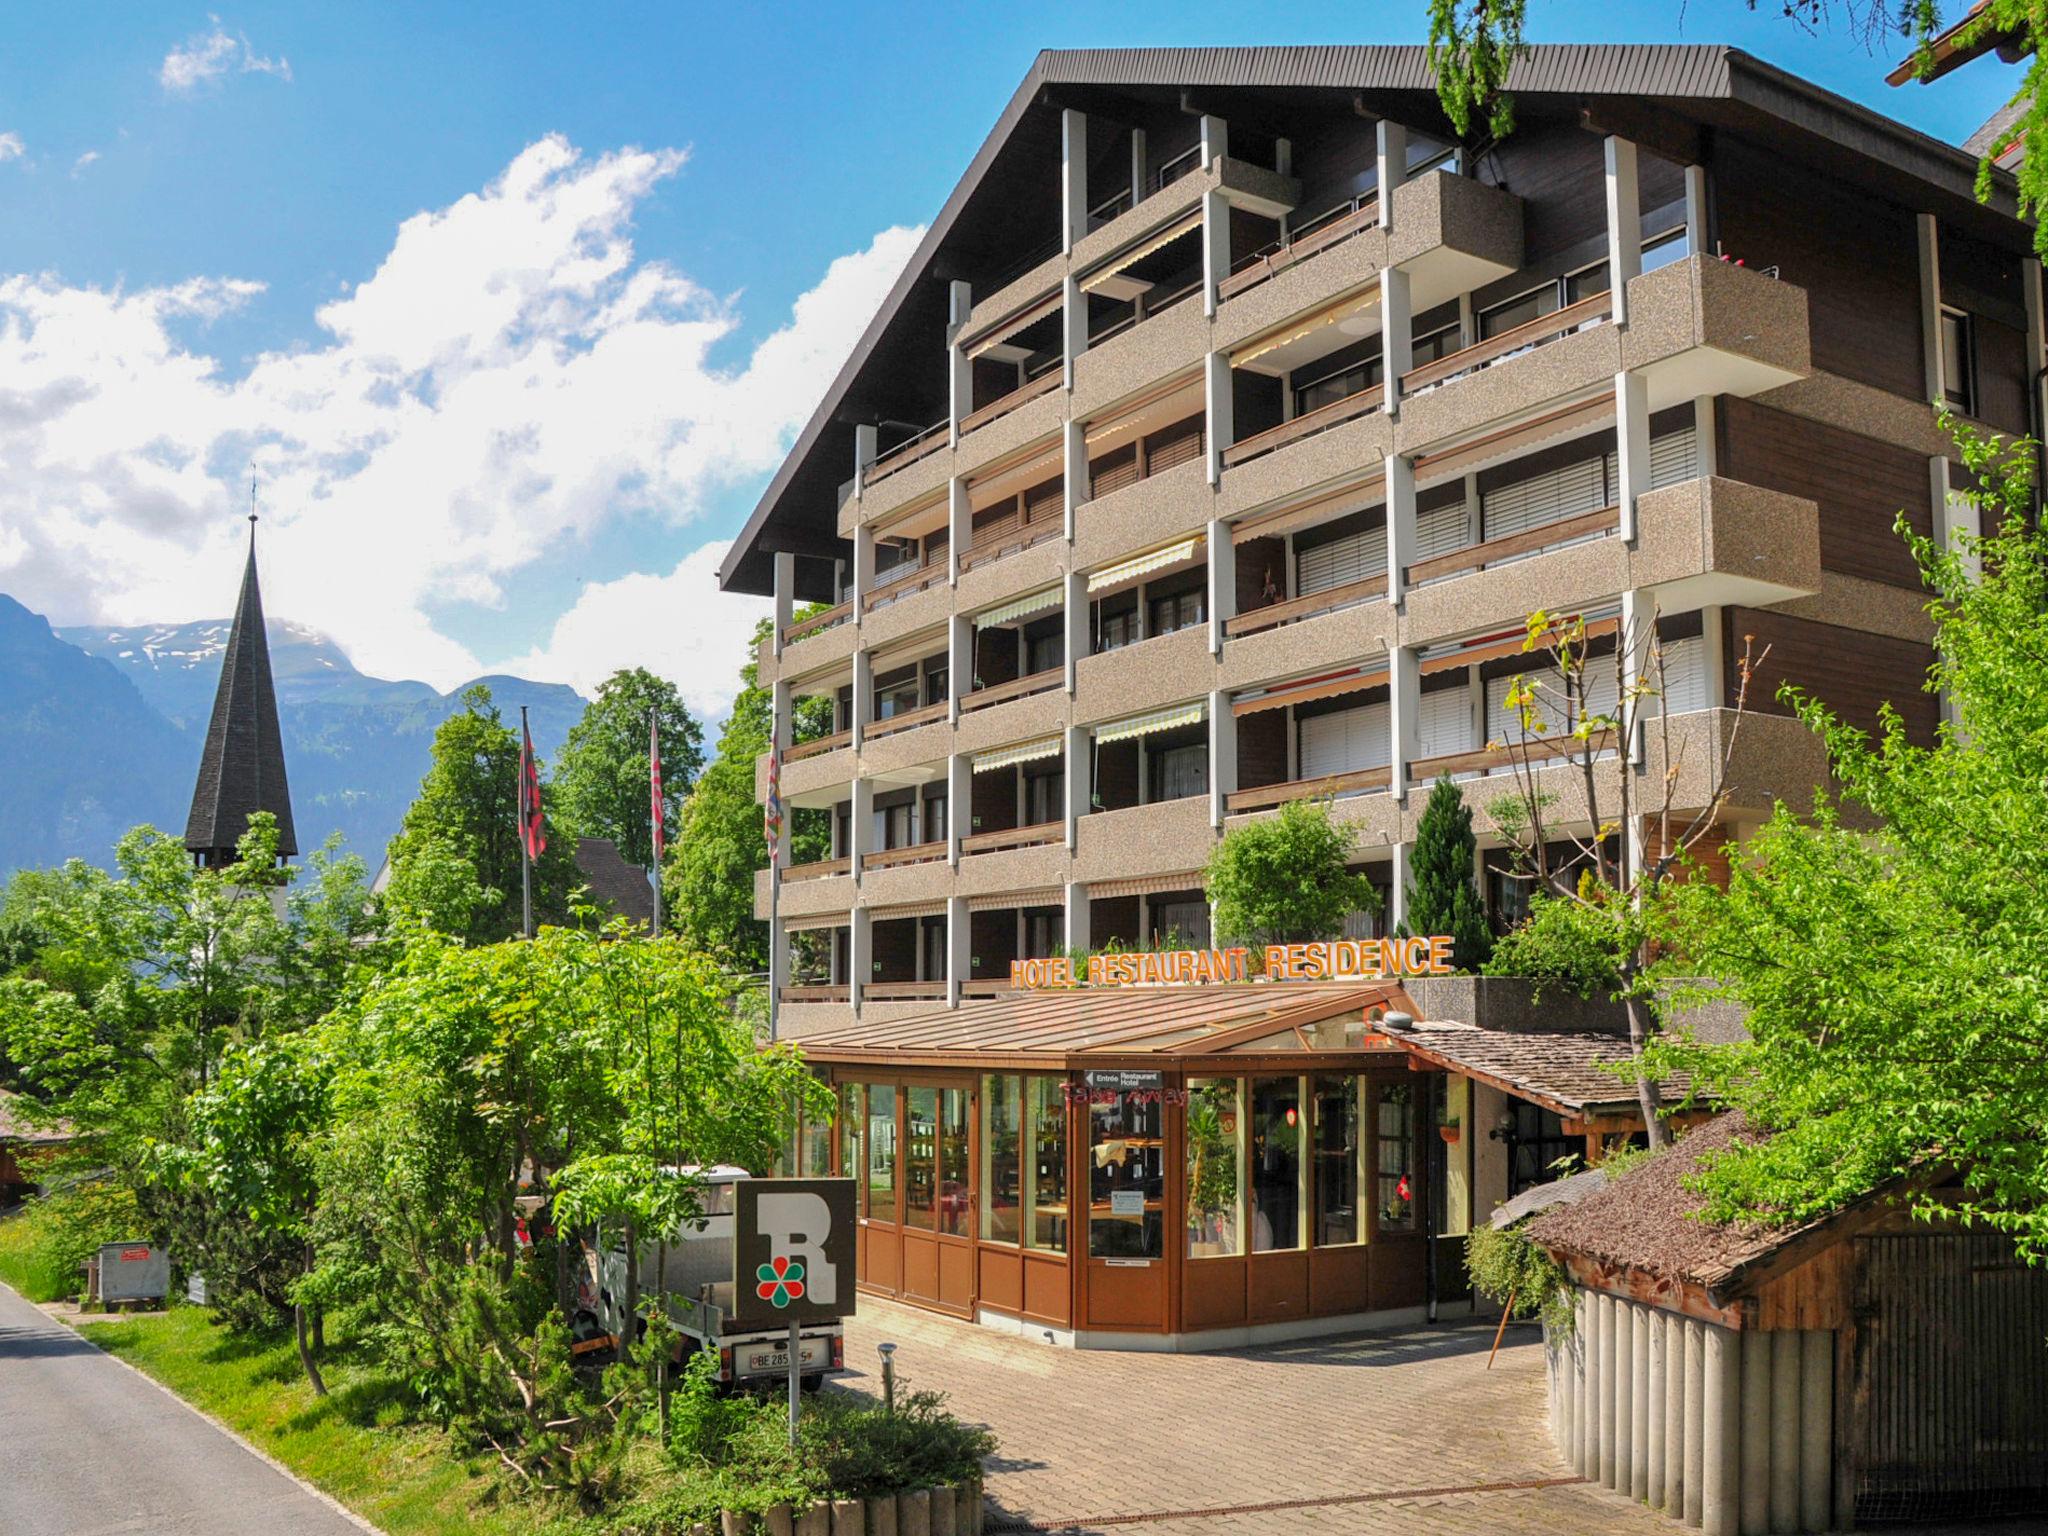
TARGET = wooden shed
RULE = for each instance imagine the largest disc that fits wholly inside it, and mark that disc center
(1866, 1367)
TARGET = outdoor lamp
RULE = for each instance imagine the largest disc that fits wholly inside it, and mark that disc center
(888, 1354)
(1503, 1126)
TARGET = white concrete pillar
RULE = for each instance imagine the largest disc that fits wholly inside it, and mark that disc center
(1721, 1439)
(959, 368)
(1624, 1397)
(1080, 780)
(1137, 166)
(1657, 1375)
(959, 663)
(860, 823)
(1785, 1399)
(1222, 757)
(1220, 404)
(1695, 209)
(863, 568)
(1215, 247)
(1609, 1442)
(1215, 134)
(959, 527)
(860, 949)
(1691, 1505)
(1706, 449)
(1638, 632)
(1624, 222)
(1713, 645)
(1632, 445)
(1222, 553)
(1074, 931)
(1404, 696)
(959, 940)
(785, 599)
(1816, 1429)
(1073, 329)
(1074, 486)
(1400, 477)
(781, 715)
(1672, 1500)
(1073, 177)
(1397, 331)
(1755, 1455)
(1928, 230)
(863, 695)
(1076, 629)
(1391, 155)
(1954, 513)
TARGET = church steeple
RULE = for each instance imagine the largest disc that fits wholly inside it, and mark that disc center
(242, 768)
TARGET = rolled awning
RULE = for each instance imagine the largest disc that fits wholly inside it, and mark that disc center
(1009, 326)
(815, 921)
(1143, 565)
(1023, 752)
(1307, 689)
(1146, 725)
(909, 909)
(1325, 506)
(1454, 657)
(1141, 250)
(1355, 305)
(1042, 601)
(1044, 896)
(1149, 885)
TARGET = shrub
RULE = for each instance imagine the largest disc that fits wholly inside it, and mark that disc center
(44, 1246)
(1442, 898)
(1568, 945)
(1286, 879)
(1508, 1267)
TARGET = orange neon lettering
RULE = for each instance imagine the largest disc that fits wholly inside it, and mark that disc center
(1440, 955)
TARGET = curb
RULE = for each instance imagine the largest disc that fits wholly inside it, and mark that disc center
(192, 1408)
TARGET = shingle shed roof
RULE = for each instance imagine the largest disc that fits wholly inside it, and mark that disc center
(1565, 1072)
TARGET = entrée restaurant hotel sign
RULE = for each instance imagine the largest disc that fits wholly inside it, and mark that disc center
(1324, 960)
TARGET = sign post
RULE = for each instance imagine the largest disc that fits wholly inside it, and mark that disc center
(793, 1260)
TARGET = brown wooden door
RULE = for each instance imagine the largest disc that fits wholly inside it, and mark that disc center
(1121, 1187)
(881, 1191)
(938, 1195)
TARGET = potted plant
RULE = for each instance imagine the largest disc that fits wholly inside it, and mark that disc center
(1449, 1131)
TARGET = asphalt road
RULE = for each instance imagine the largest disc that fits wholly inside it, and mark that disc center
(93, 1449)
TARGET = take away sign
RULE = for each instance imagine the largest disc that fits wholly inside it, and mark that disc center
(793, 1251)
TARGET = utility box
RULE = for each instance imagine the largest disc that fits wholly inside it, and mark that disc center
(134, 1271)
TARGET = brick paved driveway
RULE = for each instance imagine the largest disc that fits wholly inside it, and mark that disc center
(1390, 1432)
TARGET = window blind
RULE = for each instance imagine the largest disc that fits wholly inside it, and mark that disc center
(1338, 562)
(1444, 723)
(1346, 741)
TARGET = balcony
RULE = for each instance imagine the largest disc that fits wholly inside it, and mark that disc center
(1038, 836)
(905, 454)
(901, 582)
(1494, 759)
(828, 992)
(1295, 609)
(898, 858)
(1330, 228)
(1477, 557)
(903, 991)
(1267, 797)
(908, 720)
(1018, 540)
(817, 623)
(1322, 419)
(1024, 394)
(818, 746)
(1512, 342)
(1016, 688)
(821, 869)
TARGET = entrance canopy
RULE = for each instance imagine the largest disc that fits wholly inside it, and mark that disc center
(1085, 1027)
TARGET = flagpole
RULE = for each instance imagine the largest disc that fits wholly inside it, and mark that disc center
(525, 856)
(774, 928)
(655, 808)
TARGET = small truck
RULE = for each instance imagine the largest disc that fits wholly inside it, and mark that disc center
(695, 1280)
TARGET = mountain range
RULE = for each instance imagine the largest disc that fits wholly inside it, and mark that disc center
(100, 729)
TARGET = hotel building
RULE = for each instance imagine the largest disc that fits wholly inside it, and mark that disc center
(1210, 453)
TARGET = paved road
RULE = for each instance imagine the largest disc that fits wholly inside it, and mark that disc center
(93, 1449)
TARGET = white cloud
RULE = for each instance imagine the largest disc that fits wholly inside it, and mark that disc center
(83, 161)
(207, 57)
(679, 625)
(510, 379)
(11, 147)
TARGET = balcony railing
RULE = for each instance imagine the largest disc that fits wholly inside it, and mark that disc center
(1520, 338)
(820, 869)
(818, 623)
(1015, 688)
(1541, 749)
(903, 991)
(1019, 539)
(982, 988)
(1014, 837)
(905, 454)
(1334, 227)
(1321, 419)
(912, 853)
(1475, 557)
(820, 746)
(816, 994)
(905, 581)
(1266, 796)
(1296, 608)
(908, 720)
(1044, 384)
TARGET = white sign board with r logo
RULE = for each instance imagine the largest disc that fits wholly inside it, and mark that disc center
(793, 1251)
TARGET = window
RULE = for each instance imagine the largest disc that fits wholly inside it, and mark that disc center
(937, 684)
(1507, 893)
(895, 696)
(1336, 1167)
(1332, 387)
(1439, 343)
(1959, 360)
(1179, 772)
(1394, 1159)
(1126, 1176)
(935, 819)
(852, 1122)
(1345, 740)
(920, 1159)
(1045, 797)
(1045, 1193)
(956, 1188)
(931, 933)
(1338, 562)
(1215, 1153)
(1276, 1164)
(1537, 1143)
(1662, 250)
(1114, 631)
(814, 1151)
(1044, 652)
(893, 824)
(1177, 610)
(881, 1138)
(1041, 933)
(1002, 1164)
(1186, 923)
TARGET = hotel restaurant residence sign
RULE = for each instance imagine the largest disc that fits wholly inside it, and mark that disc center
(792, 1250)
(1324, 960)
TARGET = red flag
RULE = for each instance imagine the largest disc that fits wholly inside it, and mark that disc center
(771, 812)
(533, 830)
(654, 785)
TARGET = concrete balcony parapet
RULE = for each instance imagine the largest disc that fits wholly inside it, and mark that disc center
(1148, 675)
(1157, 510)
(1144, 840)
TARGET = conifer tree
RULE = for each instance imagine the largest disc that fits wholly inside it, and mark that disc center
(1442, 898)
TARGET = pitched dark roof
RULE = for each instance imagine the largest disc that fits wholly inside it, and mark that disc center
(1715, 83)
(612, 880)
(1565, 1072)
(241, 770)
(14, 1126)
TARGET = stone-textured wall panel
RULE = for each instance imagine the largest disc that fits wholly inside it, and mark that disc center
(1339, 452)
(1152, 351)
(1144, 840)
(795, 1020)
(1012, 721)
(815, 653)
(1011, 869)
(1133, 224)
(1560, 580)
(1301, 288)
(1356, 636)
(1168, 669)
(903, 884)
(1726, 526)
(1157, 510)
(1459, 214)
(809, 774)
(892, 493)
(1571, 365)
(907, 615)
(996, 581)
(806, 898)
(998, 439)
(921, 744)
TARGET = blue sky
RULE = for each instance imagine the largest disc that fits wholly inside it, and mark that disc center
(297, 138)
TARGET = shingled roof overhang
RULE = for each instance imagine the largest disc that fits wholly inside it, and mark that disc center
(1017, 167)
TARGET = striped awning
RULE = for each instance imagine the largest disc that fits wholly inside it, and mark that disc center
(1146, 725)
(1014, 322)
(812, 922)
(1141, 250)
(1042, 896)
(1301, 691)
(1451, 658)
(1323, 507)
(1149, 885)
(909, 909)
(1357, 304)
(1023, 752)
(1144, 565)
(1043, 601)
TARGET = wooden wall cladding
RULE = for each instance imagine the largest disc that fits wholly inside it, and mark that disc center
(1859, 483)
(1849, 670)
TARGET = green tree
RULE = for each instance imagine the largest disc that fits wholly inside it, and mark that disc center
(1286, 879)
(1472, 45)
(601, 783)
(468, 809)
(1442, 895)
(1894, 979)
(708, 884)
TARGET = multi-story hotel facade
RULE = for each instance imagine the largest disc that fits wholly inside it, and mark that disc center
(1231, 419)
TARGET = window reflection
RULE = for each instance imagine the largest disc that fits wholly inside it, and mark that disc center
(852, 1121)
(1276, 1164)
(1394, 1130)
(920, 1144)
(881, 1184)
(1215, 1205)
(1126, 1176)
(1002, 1169)
(1046, 1099)
(956, 1189)
(1336, 1176)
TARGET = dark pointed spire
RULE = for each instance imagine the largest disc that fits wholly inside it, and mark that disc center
(242, 768)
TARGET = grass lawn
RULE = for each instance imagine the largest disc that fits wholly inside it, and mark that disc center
(402, 1478)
